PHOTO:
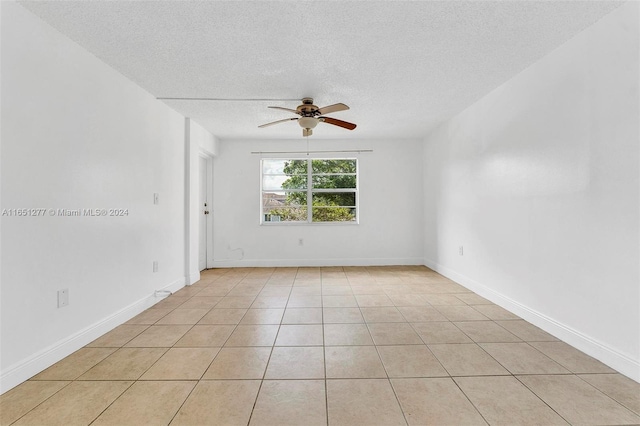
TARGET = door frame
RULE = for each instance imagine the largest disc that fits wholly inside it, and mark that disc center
(209, 194)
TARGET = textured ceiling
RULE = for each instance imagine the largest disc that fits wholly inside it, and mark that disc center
(402, 67)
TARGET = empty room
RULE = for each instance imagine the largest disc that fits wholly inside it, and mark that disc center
(319, 213)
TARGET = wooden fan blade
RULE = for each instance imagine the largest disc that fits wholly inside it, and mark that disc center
(332, 108)
(276, 122)
(286, 109)
(340, 123)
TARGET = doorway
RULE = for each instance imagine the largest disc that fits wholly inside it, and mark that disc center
(205, 213)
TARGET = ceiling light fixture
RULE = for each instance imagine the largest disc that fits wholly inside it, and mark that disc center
(307, 124)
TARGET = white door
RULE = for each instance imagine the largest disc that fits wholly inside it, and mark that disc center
(203, 211)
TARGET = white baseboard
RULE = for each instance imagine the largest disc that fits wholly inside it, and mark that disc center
(27, 368)
(283, 263)
(618, 361)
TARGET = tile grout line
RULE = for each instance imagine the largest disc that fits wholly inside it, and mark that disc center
(264, 374)
(605, 393)
(540, 398)
(201, 376)
(511, 374)
(133, 382)
(404, 416)
(324, 353)
(423, 344)
(469, 399)
(43, 401)
(198, 380)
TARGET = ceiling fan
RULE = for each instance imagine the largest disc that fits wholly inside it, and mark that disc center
(311, 115)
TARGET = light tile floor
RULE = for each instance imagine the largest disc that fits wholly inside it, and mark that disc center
(338, 346)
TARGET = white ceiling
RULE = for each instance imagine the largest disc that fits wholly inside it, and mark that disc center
(402, 66)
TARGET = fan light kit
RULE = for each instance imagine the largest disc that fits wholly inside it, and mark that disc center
(311, 115)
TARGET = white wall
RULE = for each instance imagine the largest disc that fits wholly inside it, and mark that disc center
(76, 134)
(390, 208)
(539, 181)
(208, 144)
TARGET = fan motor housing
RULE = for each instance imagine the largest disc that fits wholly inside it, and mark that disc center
(307, 109)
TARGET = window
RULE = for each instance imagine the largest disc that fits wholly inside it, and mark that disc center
(309, 190)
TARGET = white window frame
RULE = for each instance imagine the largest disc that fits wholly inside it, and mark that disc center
(310, 190)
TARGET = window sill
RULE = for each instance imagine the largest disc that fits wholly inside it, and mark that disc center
(309, 224)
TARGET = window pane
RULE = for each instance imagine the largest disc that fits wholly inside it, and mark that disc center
(295, 182)
(284, 167)
(333, 166)
(333, 214)
(334, 181)
(285, 214)
(279, 199)
(347, 199)
(279, 182)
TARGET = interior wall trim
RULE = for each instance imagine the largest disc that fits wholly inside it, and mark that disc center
(192, 278)
(248, 263)
(34, 364)
(621, 362)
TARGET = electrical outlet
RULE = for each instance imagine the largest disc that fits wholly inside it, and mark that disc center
(300, 241)
(63, 297)
(155, 266)
(461, 250)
